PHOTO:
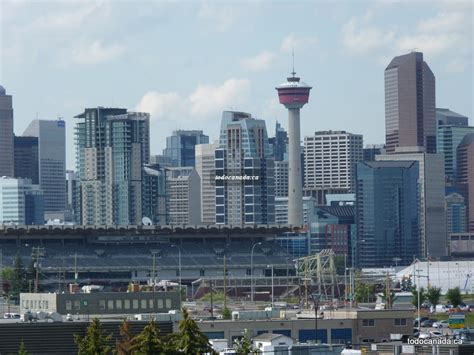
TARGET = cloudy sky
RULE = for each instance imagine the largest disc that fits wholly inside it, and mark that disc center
(185, 62)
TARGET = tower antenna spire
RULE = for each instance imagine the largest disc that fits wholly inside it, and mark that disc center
(293, 59)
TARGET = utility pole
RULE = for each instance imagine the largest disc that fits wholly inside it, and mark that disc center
(37, 269)
(212, 300)
(225, 282)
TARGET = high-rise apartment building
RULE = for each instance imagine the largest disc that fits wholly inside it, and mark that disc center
(154, 194)
(73, 198)
(27, 158)
(331, 158)
(452, 127)
(6, 134)
(465, 173)
(180, 147)
(112, 148)
(21, 203)
(205, 167)
(387, 213)
(431, 199)
(51, 136)
(281, 178)
(245, 188)
(410, 102)
(456, 213)
(183, 196)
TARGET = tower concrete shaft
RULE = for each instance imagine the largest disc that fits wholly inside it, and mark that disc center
(295, 188)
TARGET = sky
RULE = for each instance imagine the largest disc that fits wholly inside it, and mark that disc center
(185, 62)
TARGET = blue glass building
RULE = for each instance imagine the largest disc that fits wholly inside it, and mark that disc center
(180, 147)
(387, 213)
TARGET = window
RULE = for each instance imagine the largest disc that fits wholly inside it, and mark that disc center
(368, 340)
(102, 305)
(168, 303)
(160, 303)
(400, 321)
(110, 304)
(150, 303)
(368, 322)
(118, 304)
(135, 304)
(126, 304)
(68, 305)
(143, 304)
(77, 305)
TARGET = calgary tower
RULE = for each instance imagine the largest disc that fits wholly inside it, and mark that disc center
(294, 94)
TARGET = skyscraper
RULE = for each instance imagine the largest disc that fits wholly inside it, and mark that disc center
(431, 199)
(27, 158)
(21, 202)
(180, 147)
(112, 148)
(294, 94)
(279, 143)
(205, 167)
(6, 134)
(410, 117)
(52, 162)
(245, 188)
(456, 216)
(331, 158)
(281, 178)
(371, 150)
(452, 127)
(465, 171)
(387, 213)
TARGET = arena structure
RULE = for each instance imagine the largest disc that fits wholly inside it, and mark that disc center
(114, 256)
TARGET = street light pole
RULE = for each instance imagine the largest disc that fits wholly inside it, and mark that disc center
(179, 267)
(251, 270)
(271, 268)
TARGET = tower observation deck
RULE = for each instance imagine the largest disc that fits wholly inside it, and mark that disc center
(294, 94)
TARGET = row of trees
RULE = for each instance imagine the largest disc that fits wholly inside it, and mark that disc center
(189, 340)
(18, 279)
(433, 295)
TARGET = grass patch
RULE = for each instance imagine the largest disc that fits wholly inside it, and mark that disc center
(445, 316)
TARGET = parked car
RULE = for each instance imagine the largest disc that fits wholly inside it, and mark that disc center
(424, 335)
(428, 323)
(415, 322)
(441, 324)
(435, 334)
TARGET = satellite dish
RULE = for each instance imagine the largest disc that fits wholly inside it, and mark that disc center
(147, 221)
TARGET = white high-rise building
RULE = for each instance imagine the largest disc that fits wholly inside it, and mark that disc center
(205, 167)
(331, 158)
(183, 196)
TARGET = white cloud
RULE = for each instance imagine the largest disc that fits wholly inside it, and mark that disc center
(292, 42)
(260, 62)
(204, 103)
(430, 44)
(360, 40)
(209, 99)
(220, 16)
(160, 105)
(96, 52)
(443, 22)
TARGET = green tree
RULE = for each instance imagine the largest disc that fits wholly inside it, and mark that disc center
(18, 281)
(191, 340)
(365, 292)
(454, 296)
(22, 349)
(95, 342)
(414, 293)
(244, 346)
(126, 345)
(226, 313)
(433, 295)
(148, 341)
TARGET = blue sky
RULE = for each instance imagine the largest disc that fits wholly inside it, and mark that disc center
(185, 62)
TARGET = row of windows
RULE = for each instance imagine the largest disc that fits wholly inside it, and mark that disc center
(122, 304)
